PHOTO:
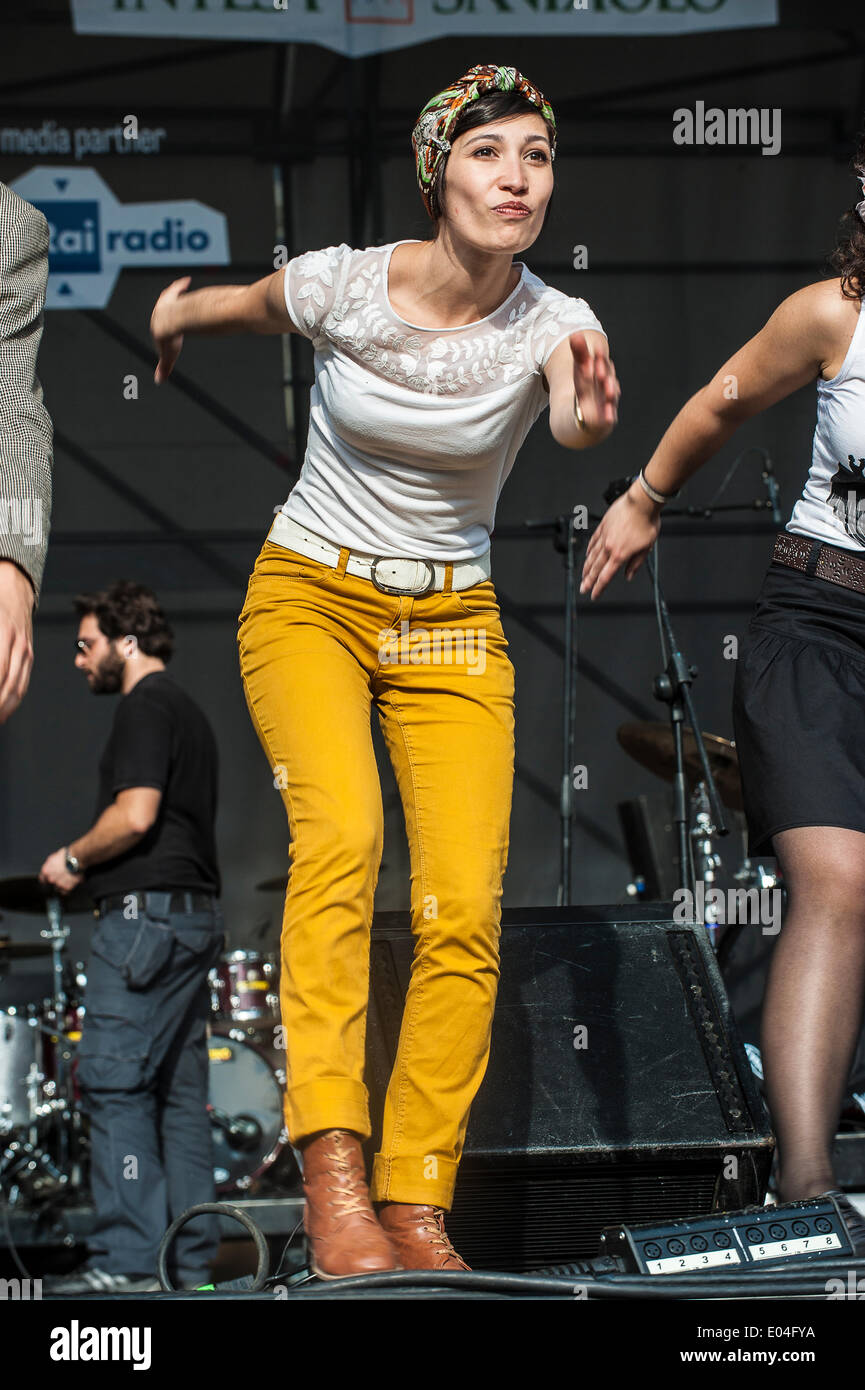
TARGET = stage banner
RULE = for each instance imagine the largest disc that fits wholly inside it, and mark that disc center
(359, 27)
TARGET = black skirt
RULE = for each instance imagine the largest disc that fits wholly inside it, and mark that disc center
(799, 707)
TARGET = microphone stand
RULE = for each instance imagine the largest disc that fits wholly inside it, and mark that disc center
(564, 535)
(673, 687)
(565, 542)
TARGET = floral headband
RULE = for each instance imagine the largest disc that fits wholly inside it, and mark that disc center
(429, 137)
(860, 207)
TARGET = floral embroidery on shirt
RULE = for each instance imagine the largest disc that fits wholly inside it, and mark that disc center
(553, 320)
(359, 320)
(322, 266)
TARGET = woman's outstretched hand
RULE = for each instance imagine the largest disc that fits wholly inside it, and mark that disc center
(163, 327)
(625, 536)
(596, 385)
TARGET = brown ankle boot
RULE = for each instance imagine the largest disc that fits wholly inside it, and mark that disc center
(419, 1236)
(344, 1235)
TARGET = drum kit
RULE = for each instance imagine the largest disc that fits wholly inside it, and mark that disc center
(247, 1078)
(41, 1125)
(44, 1147)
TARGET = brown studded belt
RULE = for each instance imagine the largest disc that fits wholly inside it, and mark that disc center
(845, 567)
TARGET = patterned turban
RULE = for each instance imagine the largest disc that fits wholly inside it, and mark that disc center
(430, 135)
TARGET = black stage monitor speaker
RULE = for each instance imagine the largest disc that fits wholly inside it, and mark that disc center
(618, 1090)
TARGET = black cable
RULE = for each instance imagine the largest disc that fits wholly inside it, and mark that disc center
(214, 1209)
(285, 1250)
(769, 1284)
(809, 1284)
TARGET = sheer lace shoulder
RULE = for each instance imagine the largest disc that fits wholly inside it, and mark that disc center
(310, 283)
(558, 315)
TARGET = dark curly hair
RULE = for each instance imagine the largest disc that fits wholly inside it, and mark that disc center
(494, 106)
(848, 258)
(127, 608)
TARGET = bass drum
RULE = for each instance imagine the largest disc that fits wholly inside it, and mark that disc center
(246, 1116)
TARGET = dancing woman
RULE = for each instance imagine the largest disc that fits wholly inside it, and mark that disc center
(432, 361)
(799, 691)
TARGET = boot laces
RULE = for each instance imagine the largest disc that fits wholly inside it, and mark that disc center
(350, 1197)
(433, 1224)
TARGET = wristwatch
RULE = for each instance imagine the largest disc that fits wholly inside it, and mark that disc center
(73, 865)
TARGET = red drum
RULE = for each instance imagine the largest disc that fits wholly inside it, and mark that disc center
(244, 989)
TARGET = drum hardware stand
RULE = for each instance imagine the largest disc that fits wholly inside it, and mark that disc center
(21, 1154)
(706, 860)
(57, 934)
(753, 876)
(756, 875)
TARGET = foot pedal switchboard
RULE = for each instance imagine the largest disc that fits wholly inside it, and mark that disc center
(752, 1238)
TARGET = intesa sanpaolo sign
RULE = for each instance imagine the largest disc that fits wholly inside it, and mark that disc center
(358, 27)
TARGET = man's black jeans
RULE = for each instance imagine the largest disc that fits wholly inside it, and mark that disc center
(143, 1073)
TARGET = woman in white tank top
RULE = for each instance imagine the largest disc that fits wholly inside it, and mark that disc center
(799, 702)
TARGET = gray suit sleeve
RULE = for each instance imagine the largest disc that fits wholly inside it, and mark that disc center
(26, 434)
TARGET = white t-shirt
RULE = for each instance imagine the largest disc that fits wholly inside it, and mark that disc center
(832, 505)
(413, 431)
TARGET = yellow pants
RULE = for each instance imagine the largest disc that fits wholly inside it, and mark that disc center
(318, 646)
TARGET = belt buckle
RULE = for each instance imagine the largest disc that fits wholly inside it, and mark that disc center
(393, 589)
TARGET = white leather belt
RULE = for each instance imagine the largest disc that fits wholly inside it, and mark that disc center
(389, 573)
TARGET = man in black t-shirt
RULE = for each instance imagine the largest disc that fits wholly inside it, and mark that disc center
(149, 861)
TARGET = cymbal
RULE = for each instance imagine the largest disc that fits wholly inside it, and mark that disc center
(26, 894)
(650, 743)
(19, 950)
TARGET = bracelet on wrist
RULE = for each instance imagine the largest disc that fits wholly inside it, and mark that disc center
(659, 497)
